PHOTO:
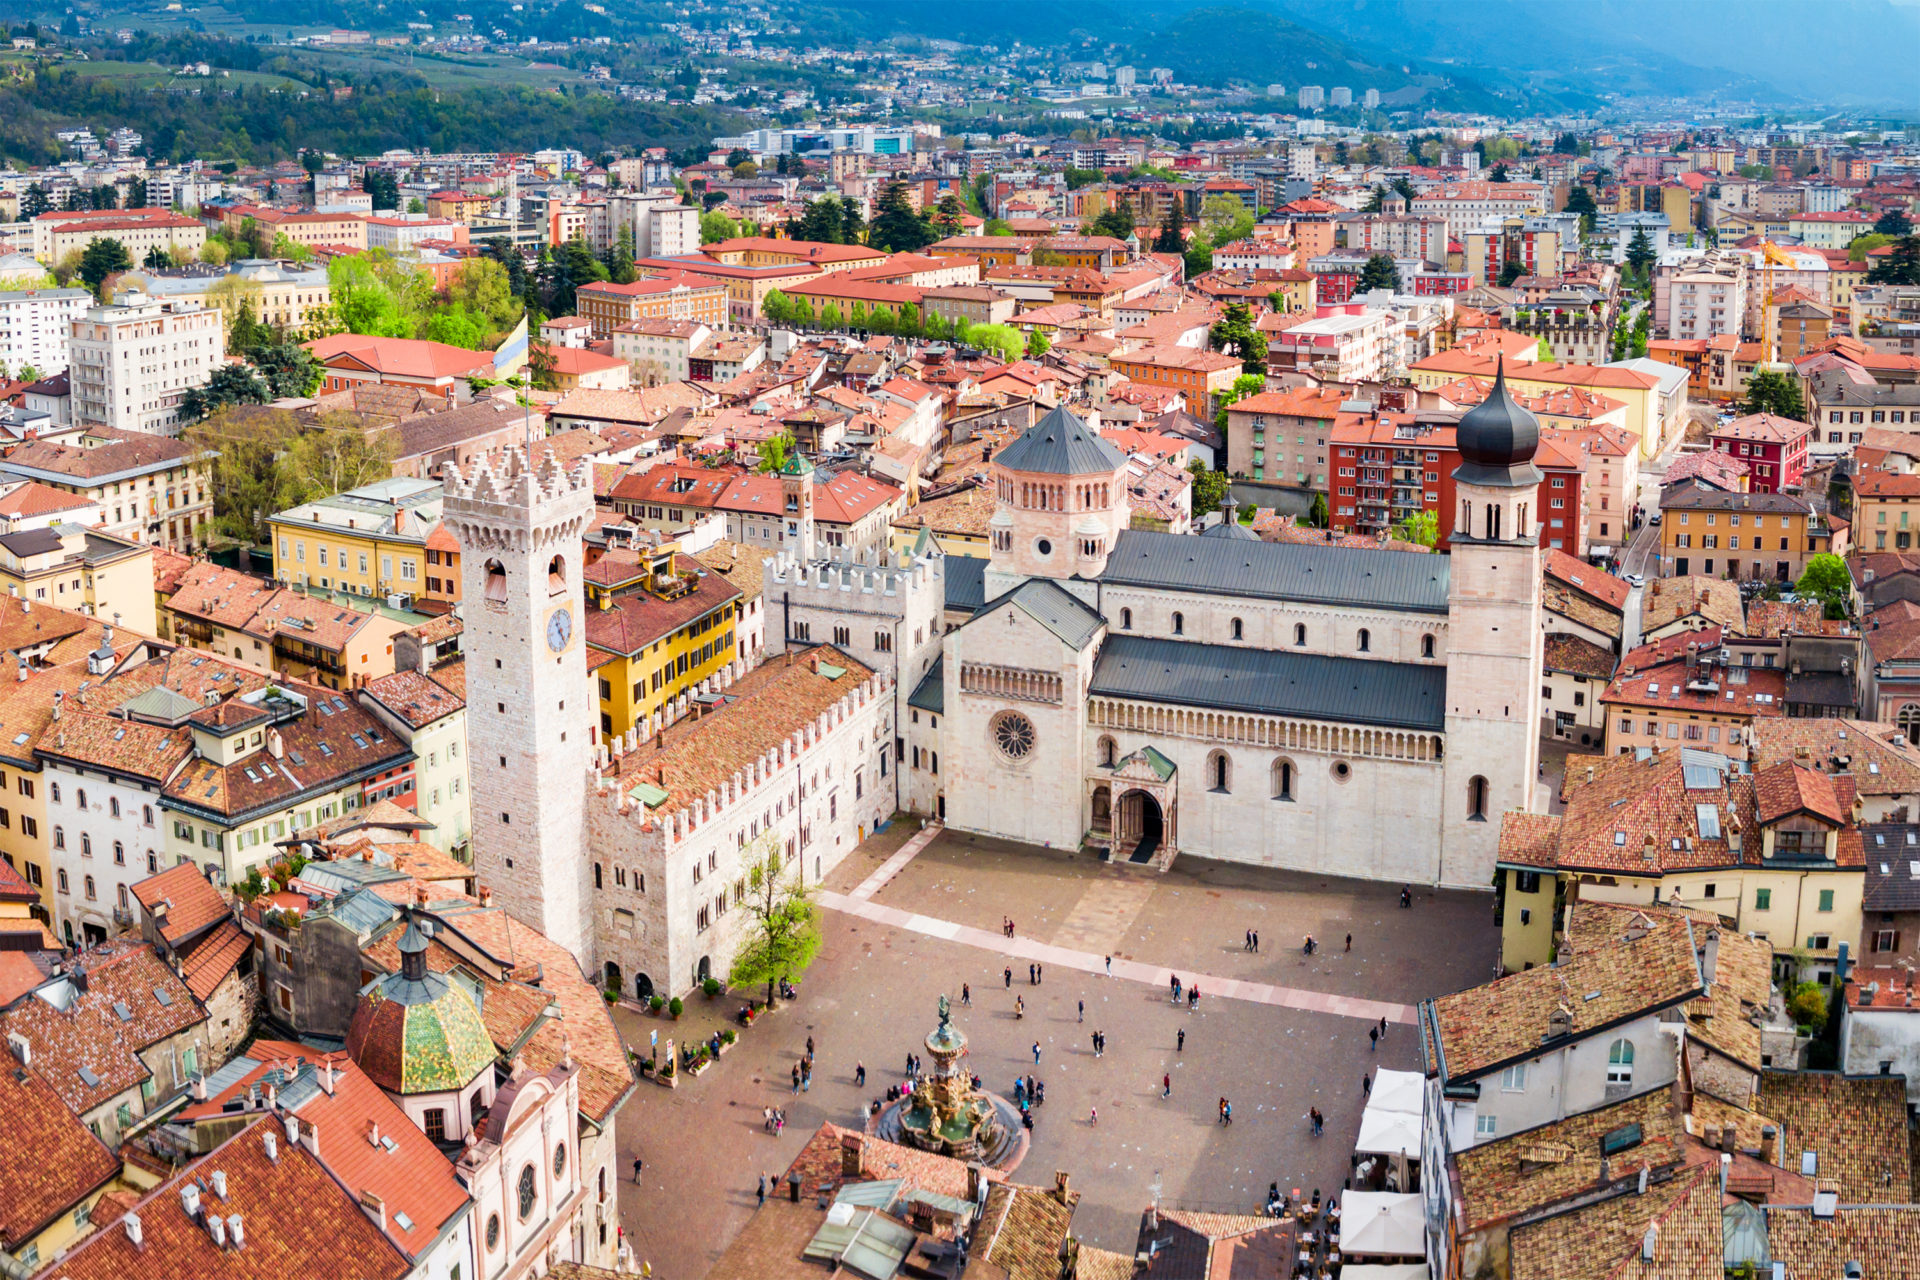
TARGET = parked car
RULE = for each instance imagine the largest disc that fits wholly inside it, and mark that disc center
(1635, 580)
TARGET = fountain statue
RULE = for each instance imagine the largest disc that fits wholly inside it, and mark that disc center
(945, 1114)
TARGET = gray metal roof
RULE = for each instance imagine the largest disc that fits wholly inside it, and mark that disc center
(1362, 577)
(966, 582)
(1053, 607)
(1893, 866)
(1062, 445)
(1272, 682)
(931, 693)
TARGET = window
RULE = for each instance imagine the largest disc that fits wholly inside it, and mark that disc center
(1826, 900)
(527, 1191)
(1514, 1079)
(1620, 1063)
(1179, 624)
(559, 1160)
(1485, 1126)
(1426, 646)
(1126, 619)
(1283, 779)
(1299, 634)
(1238, 631)
(1526, 882)
(1107, 752)
(1364, 641)
(434, 1121)
(1477, 799)
(1219, 772)
(1763, 899)
(1886, 940)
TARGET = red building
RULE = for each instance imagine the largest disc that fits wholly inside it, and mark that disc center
(1775, 449)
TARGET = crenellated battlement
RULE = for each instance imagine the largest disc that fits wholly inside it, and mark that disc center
(846, 571)
(508, 478)
(678, 824)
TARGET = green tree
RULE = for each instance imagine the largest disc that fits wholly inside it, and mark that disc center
(290, 370)
(246, 332)
(416, 205)
(1640, 252)
(1808, 1006)
(1379, 273)
(485, 289)
(896, 227)
(363, 301)
(330, 460)
(1422, 527)
(1116, 221)
(1209, 487)
(1225, 218)
(457, 327)
(715, 227)
(947, 216)
(293, 250)
(230, 384)
(1078, 178)
(1237, 335)
(103, 258)
(157, 259)
(35, 202)
(1377, 201)
(774, 452)
(819, 222)
(1826, 579)
(1511, 270)
(1775, 392)
(776, 308)
(1499, 174)
(1173, 230)
(1002, 338)
(1038, 344)
(783, 935)
(620, 258)
(1894, 222)
(1900, 266)
(1317, 513)
(1860, 246)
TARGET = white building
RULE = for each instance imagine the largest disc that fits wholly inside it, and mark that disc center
(1700, 297)
(1355, 346)
(658, 349)
(403, 234)
(1311, 96)
(661, 226)
(131, 362)
(1340, 96)
(35, 328)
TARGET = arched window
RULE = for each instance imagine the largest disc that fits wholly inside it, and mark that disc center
(89, 883)
(55, 791)
(1239, 630)
(496, 590)
(557, 575)
(1364, 640)
(1283, 779)
(1620, 1062)
(119, 854)
(1126, 619)
(1477, 799)
(1300, 634)
(1466, 517)
(1107, 752)
(86, 844)
(1219, 772)
(1179, 624)
(1909, 721)
(1426, 646)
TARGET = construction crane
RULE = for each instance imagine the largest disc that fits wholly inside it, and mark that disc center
(1771, 256)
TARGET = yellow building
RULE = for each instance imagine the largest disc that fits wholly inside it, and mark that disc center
(765, 251)
(958, 522)
(87, 570)
(657, 625)
(1774, 851)
(370, 541)
(1886, 511)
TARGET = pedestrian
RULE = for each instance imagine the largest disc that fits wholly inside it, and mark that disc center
(761, 1191)
(1083, 1011)
(1029, 975)
(796, 1077)
(1009, 977)
(1166, 1086)
(1036, 1053)
(809, 1048)
(1039, 975)
(1406, 897)
(1019, 1006)
(1173, 984)
(1019, 1089)
(1306, 945)
(636, 1168)
(1248, 945)
(1366, 1086)
(806, 1079)
(966, 994)
(1383, 1028)
(1193, 998)
(1093, 1116)
(1006, 927)
(1109, 966)
(1180, 1041)
(1222, 1110)
(860, 1075)
(766, 1119)
(1228, 1117)
(1256, 942)
(1009, 928)
(909, 1068)
(1373, 1039)
(1319, 1121)
(1103, 1043)
(1349, 942)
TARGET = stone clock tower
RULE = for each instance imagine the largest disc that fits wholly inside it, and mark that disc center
(530, 705)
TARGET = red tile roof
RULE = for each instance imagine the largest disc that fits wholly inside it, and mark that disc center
(53, 1161)
(182, 901)
(402, 357)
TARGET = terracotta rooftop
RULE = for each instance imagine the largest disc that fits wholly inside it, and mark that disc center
(1856, 1126)
(182, 902)
(1604, 1241)
(417, 699)
(1884, 1239)
(1577, 655)
(1874, 756)
(1534, 1168)
(1583, 577)
(1667, 600)
(55, 1162)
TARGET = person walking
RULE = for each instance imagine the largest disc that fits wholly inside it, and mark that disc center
(1019, 1006)
(1349, 942)
(1093, 1117)
(761, 1190)
(1173, 985)
(859, 1075)
(637, 1166)
(1039, 975)
(1180, 1041)
(1383, 1028)
(1029, 975)
(1220, 1116)
(1083, 1011)
(1366, 1086)
(1256, 942)
(809, 1048)
(1373, 1039)
(1109, 966)
(1248, 944)
(1010, 927)
(806, 1078)
(1166, 1086)
(1319, 1121)
(966, 995)
(1406, 897)
(796, 1077)
(1036, 1053)
(1009, 977)
(1193, 998)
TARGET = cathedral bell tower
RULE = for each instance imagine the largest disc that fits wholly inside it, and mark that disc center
(1494, 637)
(530, 706)
(796, 501)
(1060, 501)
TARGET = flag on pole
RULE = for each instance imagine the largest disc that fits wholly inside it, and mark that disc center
(512, 354)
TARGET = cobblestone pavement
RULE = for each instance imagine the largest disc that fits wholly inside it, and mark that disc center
(871, 997)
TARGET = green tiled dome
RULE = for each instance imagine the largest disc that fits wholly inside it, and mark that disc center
(416, 1032)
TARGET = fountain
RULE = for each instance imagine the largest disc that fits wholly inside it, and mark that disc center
(945, 1114)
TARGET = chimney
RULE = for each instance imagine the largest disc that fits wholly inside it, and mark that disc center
(219, 1181)
(852, 1155)
(272, 1145)
(373, 1133)
(275, 746)
(1640, 1187)
(976, 1180)
(293, 1127)
(22, 1049)
(1061, 1190)
(312, 1140)
(375, 1208)
(236, 1231)
(217, 1228)
(326, 1078)
(190, 1199)
(1769, 1145)
(486, 896)
(1826, 1199)
(133, 1229)
(1649, 1242)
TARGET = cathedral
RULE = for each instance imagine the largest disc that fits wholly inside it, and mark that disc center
(1364, 713)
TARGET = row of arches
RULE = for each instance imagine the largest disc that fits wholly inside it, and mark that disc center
(1010, 682)
(1270, 731)
(1237, 630)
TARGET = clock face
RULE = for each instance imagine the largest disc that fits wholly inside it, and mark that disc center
(559, 629)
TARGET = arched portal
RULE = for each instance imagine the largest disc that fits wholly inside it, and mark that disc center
(1138, 826)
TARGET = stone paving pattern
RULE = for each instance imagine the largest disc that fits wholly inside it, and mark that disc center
(1296, 1041)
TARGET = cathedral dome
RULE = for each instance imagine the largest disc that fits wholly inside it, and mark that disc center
(1061, 444)
(1497, 439)
(415, 1031)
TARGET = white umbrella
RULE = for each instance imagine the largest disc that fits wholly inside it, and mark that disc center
(1382, 1224)
(1397, 1091)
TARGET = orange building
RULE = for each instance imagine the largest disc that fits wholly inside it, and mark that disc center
(1199, 375)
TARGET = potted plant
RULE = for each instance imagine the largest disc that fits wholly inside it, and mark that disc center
(676, 1007)
(656, 1003)
(729, 1036)
(711, 987)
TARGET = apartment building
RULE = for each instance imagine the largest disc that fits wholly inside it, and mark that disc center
(1199, 375)
(1349, 345)
(674, 296)
(134, 359)
(1535, 244)
(149, 489)
(659, 350)
(1774, 448)
(661, 226)
(1469, 205)
(1402, 235)
(1756, 536)
(281, 292)
(369, 541)
(346, 230)
(406, 234)
(35, 328)
(1282, 435)
(57, 234)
